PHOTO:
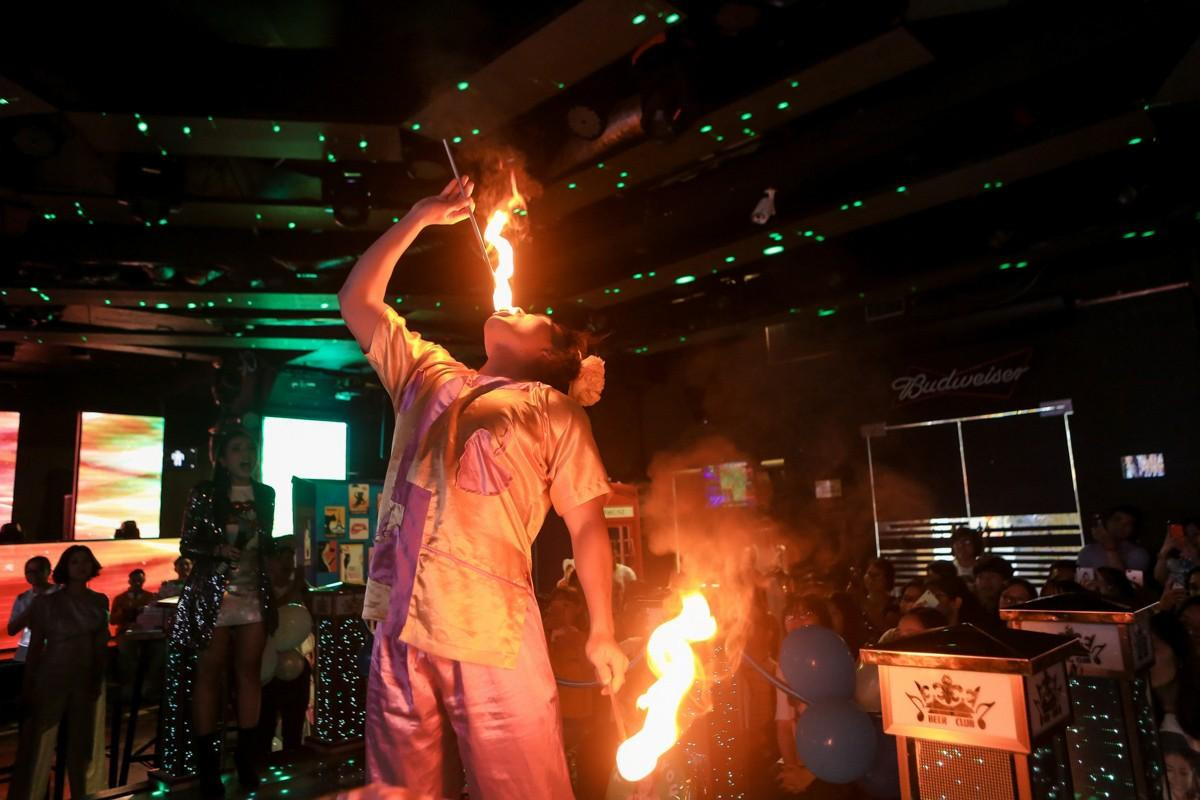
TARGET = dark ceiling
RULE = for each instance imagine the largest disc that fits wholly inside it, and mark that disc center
(186, 179)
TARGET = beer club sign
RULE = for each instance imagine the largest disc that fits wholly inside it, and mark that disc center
(995, 379)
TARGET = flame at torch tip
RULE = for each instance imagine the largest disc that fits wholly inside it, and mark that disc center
(669, 654)
(502, 299)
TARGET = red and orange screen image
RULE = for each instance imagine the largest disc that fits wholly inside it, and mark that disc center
(117, 558)
(120, 474)
(10, 422)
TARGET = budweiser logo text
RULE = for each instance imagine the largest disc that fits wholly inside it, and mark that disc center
(994, 379)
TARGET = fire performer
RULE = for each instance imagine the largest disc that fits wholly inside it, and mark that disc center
(477, 459)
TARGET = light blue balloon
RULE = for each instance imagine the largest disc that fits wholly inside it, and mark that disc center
(882, 780)
(817, 664)
(836, 740)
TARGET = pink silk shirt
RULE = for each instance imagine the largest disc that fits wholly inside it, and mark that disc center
(451, 570)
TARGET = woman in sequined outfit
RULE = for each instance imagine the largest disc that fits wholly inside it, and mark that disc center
(225, 614)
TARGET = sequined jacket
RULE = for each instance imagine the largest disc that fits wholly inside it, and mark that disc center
(200, 599)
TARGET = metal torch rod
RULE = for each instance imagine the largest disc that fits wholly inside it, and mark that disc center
(470, 214)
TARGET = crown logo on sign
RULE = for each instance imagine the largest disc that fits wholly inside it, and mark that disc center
(945, 698)
(1094, 650)
(1049, 696)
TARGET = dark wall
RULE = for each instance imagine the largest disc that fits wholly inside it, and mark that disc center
(1130, 368)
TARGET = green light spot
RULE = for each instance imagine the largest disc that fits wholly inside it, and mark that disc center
(682, 338)
(637, 276)
(730, 259)
(561, 85)
(749, 131)
(187, 130)
(1006, 265)
(1022, 264)
(845, 207)
(330, 157)
(651, 274)
(684, 279)
(463, 86)
(616, 290)
(775, 236)
(773, 250)
(746, 115)
(141, 303)
(258, 216)
(474, 131)
(416, 126)
(362, 144)
(998, 184)
(191, 305)
(620, 184)
(793, 310)
(624, 174)
(572, 185)
(600, 165)
(457, 139)
(395, 220)
(808, 233)
(820, 238)
(3, 101)
(901, 189)
(782, 105)
(549, 311)
(705, 128)
(162, 221)
(291, 226)
(826, 312)
(143, 127)
(1130, 235)
(276, 127)
(987, 185)
(1136, 140)
(672, 19)
(49, 215)
(638, 19)
(795, 84)
(858, 203)
(107, 302)
(162, 305)
(720, 138)
(1147, 234)
(320, 137)
(399, 300)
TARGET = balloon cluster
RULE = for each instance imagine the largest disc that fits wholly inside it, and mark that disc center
(835, 739)
(281, 657)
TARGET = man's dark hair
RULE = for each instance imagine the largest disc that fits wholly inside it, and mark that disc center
(38, 562)
(963, 532)
(994, 564)
(941, 569)
(62, 573)
(928, 617)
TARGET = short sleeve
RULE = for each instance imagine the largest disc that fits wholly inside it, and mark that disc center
(576, 472)
(396, 352)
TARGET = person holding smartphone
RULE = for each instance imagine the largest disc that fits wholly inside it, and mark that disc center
(1179, 554)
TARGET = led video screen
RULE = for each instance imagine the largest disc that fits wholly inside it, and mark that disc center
(120, 474)
(10, 423)
(301, 448)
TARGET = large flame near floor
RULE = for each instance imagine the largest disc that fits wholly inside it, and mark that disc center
(502, 274)
(669, 654)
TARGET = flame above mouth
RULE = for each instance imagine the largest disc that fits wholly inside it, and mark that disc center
(505, 269)
(669, 654)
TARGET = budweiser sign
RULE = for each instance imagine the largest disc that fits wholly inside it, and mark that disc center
(996, 379)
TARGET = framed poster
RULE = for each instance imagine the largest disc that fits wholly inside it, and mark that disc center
(360, 528)
(329, 557)
(335, 521)
(360, 498)
(353, 569)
